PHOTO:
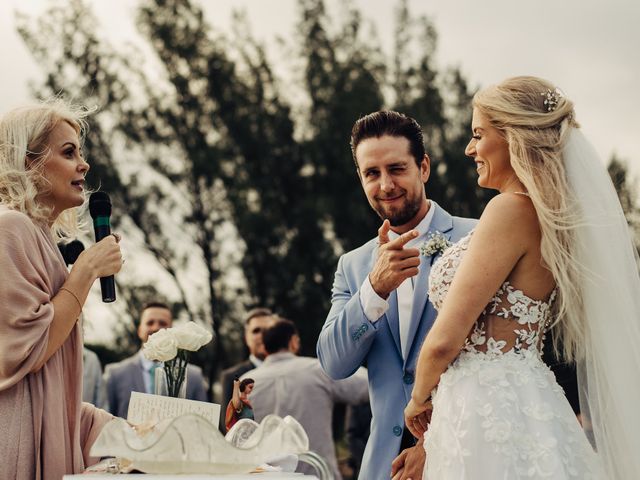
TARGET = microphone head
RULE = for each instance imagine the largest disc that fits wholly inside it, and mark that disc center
(99, 205)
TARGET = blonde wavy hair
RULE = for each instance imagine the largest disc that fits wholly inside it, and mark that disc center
(24, 149)
(536, 136)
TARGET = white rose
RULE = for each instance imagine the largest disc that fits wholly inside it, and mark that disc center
(191, 336)
(161, 346)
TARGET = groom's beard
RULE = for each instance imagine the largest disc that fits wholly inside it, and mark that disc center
(398, 215)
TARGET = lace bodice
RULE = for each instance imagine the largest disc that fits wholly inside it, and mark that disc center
(511, 321)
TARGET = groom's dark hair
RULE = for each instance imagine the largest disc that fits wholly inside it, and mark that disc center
(394, 124)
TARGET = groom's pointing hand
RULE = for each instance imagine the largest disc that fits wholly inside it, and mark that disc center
(394, 263)
(383, 232)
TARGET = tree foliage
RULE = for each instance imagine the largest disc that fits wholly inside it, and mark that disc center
(627, 194)
(207, 150)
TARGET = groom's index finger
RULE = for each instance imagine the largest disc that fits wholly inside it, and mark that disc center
(383, 232)
(402, 240)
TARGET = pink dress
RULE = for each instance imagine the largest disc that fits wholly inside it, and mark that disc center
(46, 430)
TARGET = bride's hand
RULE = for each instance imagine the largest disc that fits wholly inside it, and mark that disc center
(417, 417)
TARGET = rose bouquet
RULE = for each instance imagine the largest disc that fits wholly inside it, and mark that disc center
(172, 346)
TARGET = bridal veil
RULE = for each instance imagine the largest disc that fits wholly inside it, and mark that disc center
(608, 375)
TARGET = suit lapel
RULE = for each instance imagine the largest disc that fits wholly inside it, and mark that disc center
(393, 319)
(443, 223)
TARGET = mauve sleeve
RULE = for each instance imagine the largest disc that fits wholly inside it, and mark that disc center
(92, 420)
(26, 310)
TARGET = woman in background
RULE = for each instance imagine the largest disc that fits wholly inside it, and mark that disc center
(46, 429)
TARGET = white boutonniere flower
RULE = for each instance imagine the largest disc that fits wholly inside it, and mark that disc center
(435, 243)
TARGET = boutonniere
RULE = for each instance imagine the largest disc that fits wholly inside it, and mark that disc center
(436, 243)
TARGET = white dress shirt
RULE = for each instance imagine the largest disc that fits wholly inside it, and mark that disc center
(255, 360)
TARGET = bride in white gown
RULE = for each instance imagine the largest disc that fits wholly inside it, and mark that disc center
(551, 251)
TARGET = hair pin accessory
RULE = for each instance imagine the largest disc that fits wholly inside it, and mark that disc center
(552, 97)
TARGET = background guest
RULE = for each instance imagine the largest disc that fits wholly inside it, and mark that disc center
(137, 373)
(286, 384)
(255, 321)
(93, 390)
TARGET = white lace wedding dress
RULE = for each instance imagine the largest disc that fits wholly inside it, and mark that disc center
(498, 412)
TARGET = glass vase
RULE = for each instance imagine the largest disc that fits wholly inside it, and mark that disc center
(171, 380)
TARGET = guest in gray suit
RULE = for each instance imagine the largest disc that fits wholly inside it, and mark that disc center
(92, 385)
(135, 374)
(286, 384)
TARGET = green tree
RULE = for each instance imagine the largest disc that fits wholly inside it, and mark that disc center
(343, 77)
(203, 147)
(441, 102)
(627, 190)
(83, 67)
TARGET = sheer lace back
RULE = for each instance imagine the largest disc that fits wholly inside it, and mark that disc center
(511, 322)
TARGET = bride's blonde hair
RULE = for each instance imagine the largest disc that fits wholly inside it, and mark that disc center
(24, 148)
(536, 133)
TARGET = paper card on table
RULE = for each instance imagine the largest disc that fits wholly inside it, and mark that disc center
(144, 407)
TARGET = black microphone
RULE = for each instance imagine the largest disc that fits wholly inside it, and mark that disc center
(71, 251)
(100, 210)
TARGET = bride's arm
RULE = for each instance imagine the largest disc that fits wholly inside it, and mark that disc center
(503, 235)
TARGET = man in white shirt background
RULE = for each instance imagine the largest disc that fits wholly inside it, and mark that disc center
(286, 384)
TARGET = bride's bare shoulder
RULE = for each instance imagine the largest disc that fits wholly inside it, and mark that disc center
(511, 211)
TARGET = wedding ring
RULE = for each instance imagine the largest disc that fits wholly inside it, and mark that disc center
(117, 237)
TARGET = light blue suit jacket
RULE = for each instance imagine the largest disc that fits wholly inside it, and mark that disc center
(349, 340)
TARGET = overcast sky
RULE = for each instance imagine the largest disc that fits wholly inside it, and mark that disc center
(589, 48)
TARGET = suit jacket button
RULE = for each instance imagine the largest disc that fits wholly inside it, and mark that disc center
(365, 327)
(408, 378)
(397, 430)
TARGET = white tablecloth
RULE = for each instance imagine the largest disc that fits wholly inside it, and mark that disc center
(248, 476)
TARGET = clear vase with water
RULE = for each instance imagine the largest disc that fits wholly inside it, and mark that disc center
(171, 379)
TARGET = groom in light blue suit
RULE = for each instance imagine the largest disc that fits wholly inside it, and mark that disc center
(380, 312)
